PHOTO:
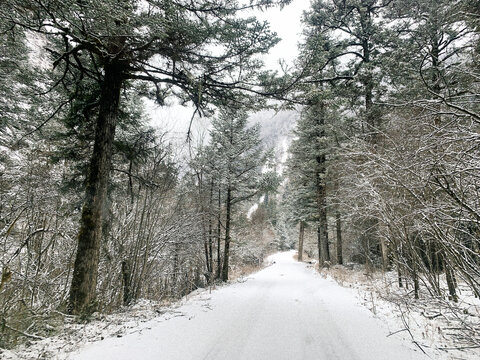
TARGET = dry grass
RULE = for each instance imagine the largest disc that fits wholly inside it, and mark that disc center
(245, 270)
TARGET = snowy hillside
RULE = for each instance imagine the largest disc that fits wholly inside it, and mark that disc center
(276, 131)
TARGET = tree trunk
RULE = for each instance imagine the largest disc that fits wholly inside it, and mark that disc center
(367, 80)
(451, 282)
(384, 250)
(322, 231)
(226, 253)
(175, 270)
(416, 286)
(207, 259)
(84, 280)
(300, 241)
(372, 120)
(338, 224)
(210, 233)
(127, 282)
(219, 239)
(323, 246)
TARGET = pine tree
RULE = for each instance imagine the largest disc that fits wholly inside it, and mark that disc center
(344, 47)
(165, 43)
(308, 165)
(239, 156)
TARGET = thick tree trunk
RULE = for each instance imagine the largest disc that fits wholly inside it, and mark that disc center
(338, 224)
(300, 240)
(324, 255)
(84, 281)
(372, 121)
(416, 285)
(226, 252)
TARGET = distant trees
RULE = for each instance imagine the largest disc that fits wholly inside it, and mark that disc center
(308, 172)
(232, 162)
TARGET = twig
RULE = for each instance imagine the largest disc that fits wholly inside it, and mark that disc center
(408, 330)
(460, 348)
(431, 317)
(24, 333)
(396, 332)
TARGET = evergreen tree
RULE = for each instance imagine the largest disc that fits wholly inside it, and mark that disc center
(168, 44)
(354, 40)
(345, 45)
(239, 156)
(308, 165)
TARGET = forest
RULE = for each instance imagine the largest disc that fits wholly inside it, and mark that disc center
(100, 209)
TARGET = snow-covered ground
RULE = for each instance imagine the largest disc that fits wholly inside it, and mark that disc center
(285, 311)
(441, 328)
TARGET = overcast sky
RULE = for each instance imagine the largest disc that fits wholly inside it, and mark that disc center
(286, 23)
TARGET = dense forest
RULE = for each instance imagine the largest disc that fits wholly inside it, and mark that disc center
(98, 208)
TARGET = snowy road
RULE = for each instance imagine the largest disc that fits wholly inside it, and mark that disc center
(283, 312)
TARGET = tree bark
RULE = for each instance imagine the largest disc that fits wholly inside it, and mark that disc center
(210, 233)
(322, 230)
(338, 223)
(84, 280)
(207, 259)
(451, 282)
(384, 250)
(416, 285)
(300, 241)
(127, 282)
(372, 120)
(219, 234)
(226, 252)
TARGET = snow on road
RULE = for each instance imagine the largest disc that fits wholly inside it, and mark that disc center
(286, 311)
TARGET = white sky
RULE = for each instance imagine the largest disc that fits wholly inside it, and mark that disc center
(286, 23)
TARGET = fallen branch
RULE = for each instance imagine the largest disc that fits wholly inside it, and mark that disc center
(36, 337)
(431, 317)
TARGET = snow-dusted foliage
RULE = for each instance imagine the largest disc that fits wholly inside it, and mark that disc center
(96, 212)
(402, 156)
(228, 176)
(151, 246)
